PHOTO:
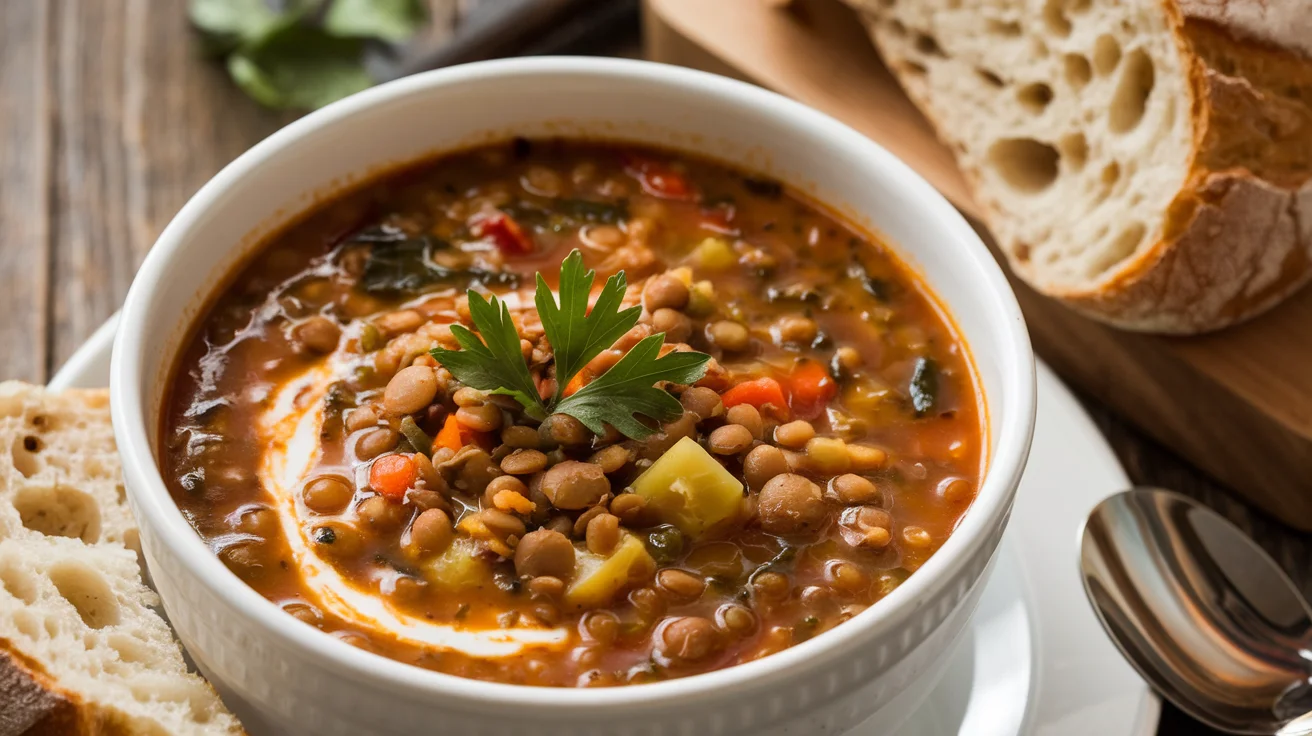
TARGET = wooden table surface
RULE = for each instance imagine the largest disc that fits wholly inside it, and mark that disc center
(110, 119)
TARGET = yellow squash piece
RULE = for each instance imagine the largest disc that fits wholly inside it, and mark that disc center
(597, 579)
(713, 254)
(688, 488)
(458, 568)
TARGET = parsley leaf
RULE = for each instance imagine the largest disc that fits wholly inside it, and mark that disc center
(628, 389)
(577, 336)
(497, 366)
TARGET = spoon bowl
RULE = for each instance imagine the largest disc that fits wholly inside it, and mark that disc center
(1200, 611)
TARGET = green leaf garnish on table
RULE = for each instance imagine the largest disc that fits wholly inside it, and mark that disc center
(302, 54)
(628, 389)
(577, 335)
(494, 364)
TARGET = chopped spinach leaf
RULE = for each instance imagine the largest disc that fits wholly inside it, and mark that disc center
(924, 386)
(399, 264)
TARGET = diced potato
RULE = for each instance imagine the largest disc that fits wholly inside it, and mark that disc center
(688, 488)
(597, 579)
(458, 568)
(713, 254)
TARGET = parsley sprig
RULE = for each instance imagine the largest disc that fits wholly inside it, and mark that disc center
(617, 397)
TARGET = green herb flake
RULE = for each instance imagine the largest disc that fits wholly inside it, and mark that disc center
(924, 386)
(626, 391)
(577, 335)
(418, 439)
(495, 363)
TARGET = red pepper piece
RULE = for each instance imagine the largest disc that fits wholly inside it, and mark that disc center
(501, 229)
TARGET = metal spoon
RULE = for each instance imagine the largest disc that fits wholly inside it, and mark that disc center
(1204, 615)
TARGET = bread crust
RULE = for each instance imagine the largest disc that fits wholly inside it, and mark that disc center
(1238, 235)
(32, 702)
(1283, 23)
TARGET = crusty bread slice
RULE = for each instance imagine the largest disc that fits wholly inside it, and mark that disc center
(82, 651)
(58, 465)
(1149, 162)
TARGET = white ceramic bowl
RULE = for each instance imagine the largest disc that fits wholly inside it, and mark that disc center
(284, 677)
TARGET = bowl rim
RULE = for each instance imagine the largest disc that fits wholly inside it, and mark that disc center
(155, 509)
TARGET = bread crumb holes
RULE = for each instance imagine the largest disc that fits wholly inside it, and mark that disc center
(87, 592)
(1130, 100)
(1034, 97)
(1106, 54)
(1025, 164)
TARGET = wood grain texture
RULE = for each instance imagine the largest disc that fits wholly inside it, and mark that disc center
(24, 189)
(141, 122)
(1238, 403)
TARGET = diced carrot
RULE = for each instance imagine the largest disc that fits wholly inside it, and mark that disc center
(452, 435)
(502, 230)
(758, 393)
(580, 379)
(455, 435)
(393, 475)
(812, 388)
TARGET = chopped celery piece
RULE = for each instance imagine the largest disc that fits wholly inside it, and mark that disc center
(713, 254)
(688, 488)
(597, 579)
(458, 568)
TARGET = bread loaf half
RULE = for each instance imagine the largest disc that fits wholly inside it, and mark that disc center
(1148, 162)
(82, 649)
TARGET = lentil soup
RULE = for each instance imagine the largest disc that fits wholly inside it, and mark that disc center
(751, 426)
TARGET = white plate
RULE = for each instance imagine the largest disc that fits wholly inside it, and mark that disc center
(1035, 660)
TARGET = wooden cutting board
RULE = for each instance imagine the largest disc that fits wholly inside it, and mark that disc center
(1237, 403)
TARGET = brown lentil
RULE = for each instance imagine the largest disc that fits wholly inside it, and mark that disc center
(574, 485)
(375, 442)
(520, 437)
(602, 534)
(680, 583)
(410, 390)
(763, 463)
(747, 416)
(790, 503)
(665, 291)
(545, 552)
(485, 418)
(729, 336)
(327, 494)
(675, 324)
(853, 489)
(703, 402)
(611, 459)
(730, 439)
(686, 639)
(524, 462)
(318, 334)
(630, 508)
(794, 434)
